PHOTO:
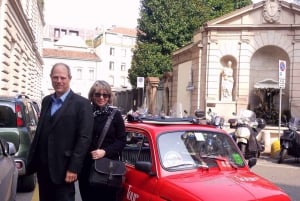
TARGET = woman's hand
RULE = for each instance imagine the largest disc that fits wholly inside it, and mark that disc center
(98, 153)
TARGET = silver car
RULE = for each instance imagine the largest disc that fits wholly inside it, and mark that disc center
(8, 171)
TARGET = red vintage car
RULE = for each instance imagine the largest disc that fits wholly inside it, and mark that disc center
(175, 159)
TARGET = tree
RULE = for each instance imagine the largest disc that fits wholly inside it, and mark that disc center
(166, 25)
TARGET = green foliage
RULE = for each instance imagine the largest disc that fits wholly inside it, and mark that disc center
(241, 3)
(167, 25)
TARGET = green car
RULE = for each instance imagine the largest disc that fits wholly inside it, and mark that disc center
(18, 122)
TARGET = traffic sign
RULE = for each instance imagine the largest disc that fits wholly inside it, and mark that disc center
(140, 82)
(282, 73)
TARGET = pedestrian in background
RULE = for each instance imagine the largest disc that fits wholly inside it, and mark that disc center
(100, 95)
(62, 138)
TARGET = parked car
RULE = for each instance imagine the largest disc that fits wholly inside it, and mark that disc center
(18, 122)
(37, 107)
(8, 171)
(179, 160)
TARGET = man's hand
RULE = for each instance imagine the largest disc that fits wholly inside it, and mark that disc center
(70, 177)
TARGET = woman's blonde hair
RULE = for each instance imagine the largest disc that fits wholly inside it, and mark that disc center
(100, 85)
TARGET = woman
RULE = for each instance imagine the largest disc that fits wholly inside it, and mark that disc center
(100, 96)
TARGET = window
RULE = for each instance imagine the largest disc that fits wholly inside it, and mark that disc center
(123, 52)
(91, 74)
(7, 117)
(63, 32)
(32, 113)
(123, 81)
(73, 33)
(123, 67)
(56, 32)
(112, 51)
(79, 73)
(111, 65)
(111, 80)
(137, 148)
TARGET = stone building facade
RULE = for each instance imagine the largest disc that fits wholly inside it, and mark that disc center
(115, 47)
(67, 45)
(254, 39)
(21, 25)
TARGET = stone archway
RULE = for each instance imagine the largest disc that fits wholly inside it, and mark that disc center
(266, 59)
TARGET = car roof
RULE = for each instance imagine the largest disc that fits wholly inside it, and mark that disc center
(11, 98)
(158, 126)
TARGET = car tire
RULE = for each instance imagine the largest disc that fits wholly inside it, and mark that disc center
(26, 183)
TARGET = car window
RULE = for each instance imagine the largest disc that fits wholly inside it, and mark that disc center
(36, 107)
(136, 149)
(31, 113)
(7, 117)
(192, 149)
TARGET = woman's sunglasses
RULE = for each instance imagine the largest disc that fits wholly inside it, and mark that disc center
(98, 95)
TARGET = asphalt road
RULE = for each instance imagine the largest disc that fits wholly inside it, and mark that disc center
(285, 175)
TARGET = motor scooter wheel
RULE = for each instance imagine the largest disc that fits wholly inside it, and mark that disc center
(242, 147)
(258, 154)
(282, 155)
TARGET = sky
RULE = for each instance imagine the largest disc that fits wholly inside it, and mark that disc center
(92, 13)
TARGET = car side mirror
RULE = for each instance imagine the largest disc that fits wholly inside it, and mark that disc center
(252, 162)
(144, 166)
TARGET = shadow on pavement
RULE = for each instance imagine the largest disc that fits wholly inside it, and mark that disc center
(288, 161)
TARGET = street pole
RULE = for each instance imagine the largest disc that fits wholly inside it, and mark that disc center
(279, 121)
(282, 75)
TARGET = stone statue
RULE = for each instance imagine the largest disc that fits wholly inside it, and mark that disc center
(227, 81)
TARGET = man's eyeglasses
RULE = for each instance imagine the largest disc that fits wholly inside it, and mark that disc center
(98, 95)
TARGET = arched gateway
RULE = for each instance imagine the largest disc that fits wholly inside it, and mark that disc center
(254, 39)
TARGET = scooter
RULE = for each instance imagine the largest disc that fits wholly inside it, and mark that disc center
(290, 140)
(247, 127)
(215, 119)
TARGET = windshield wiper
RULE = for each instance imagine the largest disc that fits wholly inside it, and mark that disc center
(214, 157)
(182, 164)
(189, 164)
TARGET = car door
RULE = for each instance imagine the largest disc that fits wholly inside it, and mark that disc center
(138, 184)
(8, 174)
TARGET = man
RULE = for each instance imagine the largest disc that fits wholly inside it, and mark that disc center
(62, 138)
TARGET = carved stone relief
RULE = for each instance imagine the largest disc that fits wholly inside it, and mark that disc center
(271, 11)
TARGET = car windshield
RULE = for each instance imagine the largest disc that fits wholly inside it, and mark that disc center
(197, 149)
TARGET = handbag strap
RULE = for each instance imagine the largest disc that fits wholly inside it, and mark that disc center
(105, 129)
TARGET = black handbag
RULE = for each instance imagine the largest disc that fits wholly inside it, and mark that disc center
(105, 171)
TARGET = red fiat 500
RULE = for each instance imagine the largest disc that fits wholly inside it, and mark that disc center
(183, 161)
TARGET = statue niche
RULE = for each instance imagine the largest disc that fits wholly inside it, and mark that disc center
(227, 82)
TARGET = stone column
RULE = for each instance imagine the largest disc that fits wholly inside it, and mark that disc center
(151, 89)
(167, 77)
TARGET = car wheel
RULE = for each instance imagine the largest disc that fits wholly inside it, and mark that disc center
(26, 183)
